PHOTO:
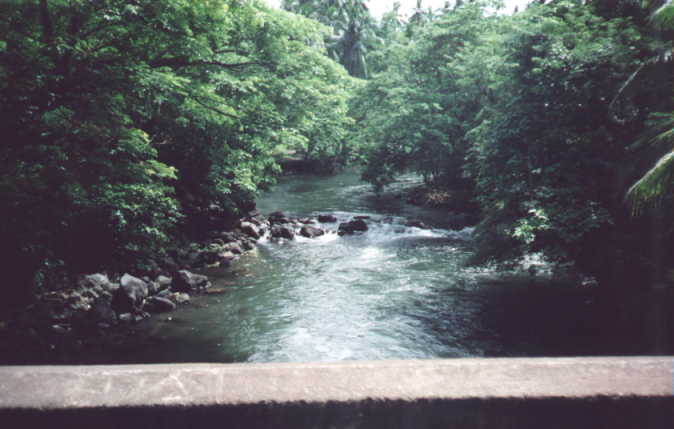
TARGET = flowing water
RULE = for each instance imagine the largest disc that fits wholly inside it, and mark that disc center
(394, 292)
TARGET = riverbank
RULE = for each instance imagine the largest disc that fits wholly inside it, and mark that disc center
(104, 307)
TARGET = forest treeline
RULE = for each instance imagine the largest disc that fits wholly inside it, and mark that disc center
(127, 124)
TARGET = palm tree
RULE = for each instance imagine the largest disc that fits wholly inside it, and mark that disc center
(353, 26)
(658, 181)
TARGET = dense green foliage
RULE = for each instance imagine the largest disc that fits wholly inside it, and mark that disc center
(537, 113)
(123, 119)
(127, 123)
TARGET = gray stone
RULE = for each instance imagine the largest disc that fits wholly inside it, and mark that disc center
(226, 257)
(234, 247)
(186, 281)
(327, 218)
(97, 282)
(163, 282)
(130, 295)
(180, 298)
(282, 231)
(251, 230)
(248, 245)
(126, 317)
(157, 304)
(353, 226)
(102, 309)
(311, 232)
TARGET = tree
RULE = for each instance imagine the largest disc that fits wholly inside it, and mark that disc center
(127, 123)
(353, 26)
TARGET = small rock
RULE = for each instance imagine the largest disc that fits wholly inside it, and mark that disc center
(362, 217)
(234, 247)
(226, 257)
(248, 245)
(164, 293)
(216, 291)
(126, 317)
(60, 329)
(181, 298)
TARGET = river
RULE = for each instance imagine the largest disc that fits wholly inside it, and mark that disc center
(394, 292)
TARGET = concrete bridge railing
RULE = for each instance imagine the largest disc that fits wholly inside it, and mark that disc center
(615, 392)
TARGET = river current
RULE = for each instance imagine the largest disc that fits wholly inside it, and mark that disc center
(394, 292)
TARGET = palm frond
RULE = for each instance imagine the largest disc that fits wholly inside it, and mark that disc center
(658, 182)
(654, 185)
(663, 17)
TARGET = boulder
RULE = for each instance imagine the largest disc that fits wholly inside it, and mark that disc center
(327, 218)
(250, 230)
(234, 247)
(356, 225)
(130, 295)
(163, 282)
(186, 281)
(282, 231)
(276, 218)
(311, 232)
(157, 304)
(307, 221)
(102, 310)
(98, 282)
(226, 257)
(362, 217)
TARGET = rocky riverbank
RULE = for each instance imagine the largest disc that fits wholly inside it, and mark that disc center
(106, 306)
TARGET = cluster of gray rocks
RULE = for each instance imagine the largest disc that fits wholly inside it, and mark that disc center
(99, 303)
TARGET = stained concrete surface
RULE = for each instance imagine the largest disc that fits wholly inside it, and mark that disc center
(614, 392)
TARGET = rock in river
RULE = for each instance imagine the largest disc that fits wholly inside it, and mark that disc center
(250, 230)
(282, 231)
(311, 231)
(327, 218)
(352, 227)
(186, 281)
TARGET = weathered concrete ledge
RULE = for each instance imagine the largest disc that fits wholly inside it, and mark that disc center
(614, 392)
